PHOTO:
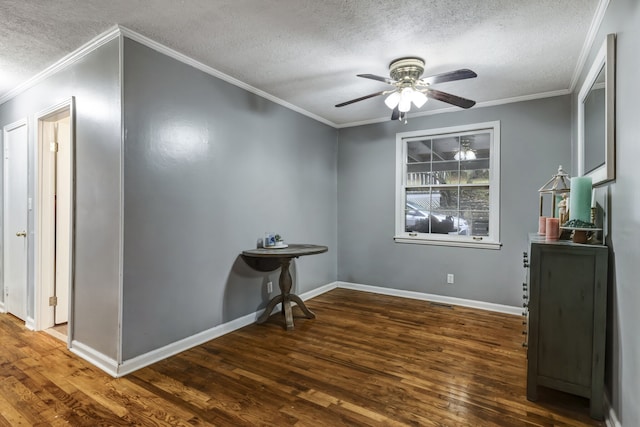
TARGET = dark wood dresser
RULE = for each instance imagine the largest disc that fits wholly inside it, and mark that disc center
(566, 300)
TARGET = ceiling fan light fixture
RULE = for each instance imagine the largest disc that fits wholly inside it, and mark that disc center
(404, 106)
(406, 97)
(392, 100)
(418, 98)
(409, 87)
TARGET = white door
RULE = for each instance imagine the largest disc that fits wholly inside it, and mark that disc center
(63, 220)
(54, 215)
(15, 219)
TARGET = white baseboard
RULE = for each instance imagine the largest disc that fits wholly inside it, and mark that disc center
(319, 291)
(30, 324)
(57, 335)
(500, 308)
(162, 353)
(126, 367)
(107, 364)
(611, 419)
(2, 310)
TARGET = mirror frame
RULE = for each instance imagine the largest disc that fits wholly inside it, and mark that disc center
(606, 58)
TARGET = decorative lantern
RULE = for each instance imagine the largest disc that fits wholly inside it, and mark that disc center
(559, 184)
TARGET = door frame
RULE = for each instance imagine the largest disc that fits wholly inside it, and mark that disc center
(5, 130)
(44, 232)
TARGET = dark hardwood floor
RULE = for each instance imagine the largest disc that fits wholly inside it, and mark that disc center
(366, 360)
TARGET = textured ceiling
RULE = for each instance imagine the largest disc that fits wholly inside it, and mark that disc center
(308, 52)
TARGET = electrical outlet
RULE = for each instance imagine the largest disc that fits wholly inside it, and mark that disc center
(269, 287)
(450, 279)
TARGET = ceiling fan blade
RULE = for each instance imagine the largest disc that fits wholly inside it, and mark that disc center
(378, 78)
(395, 115)
(461, 74)
(362, 98)
(450, 99)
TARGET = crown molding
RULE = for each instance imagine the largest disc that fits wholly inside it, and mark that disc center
(77, 54)
(588, 42)
(118, 31)
(152, 44)
(493, 103)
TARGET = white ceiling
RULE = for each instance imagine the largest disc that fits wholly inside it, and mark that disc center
(308, 52)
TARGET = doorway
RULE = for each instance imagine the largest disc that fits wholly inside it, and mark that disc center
(15, 208)
(54, 276)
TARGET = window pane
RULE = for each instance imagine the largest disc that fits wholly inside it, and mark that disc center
(470, 175)
(445, 167)
(474, 206)
(447, 222)
(447, 198)
(474, 198)
(478, 223)
(419, 151)
(417, 208)
(418, 163)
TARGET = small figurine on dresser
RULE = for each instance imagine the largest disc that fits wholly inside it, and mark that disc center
(563, 213)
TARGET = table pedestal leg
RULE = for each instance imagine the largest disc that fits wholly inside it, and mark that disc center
(267, 311)
(308, 313)
(285, 298)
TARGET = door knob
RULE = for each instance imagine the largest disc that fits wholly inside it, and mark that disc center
(21, 233)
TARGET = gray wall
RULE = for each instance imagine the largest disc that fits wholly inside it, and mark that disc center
(208, 169)
(535, 139)
(94, 81)
(623, 342)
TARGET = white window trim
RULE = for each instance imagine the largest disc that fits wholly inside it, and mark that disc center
(487, 242)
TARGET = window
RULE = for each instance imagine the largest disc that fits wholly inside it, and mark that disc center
(448, 186)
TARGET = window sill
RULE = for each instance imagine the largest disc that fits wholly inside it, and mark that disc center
(448, 242)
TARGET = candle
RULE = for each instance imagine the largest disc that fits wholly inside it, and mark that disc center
(580, 200)
(542, 225)
(552, 228)
(593, 198)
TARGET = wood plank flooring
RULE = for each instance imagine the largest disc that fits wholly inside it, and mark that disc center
(367, 360)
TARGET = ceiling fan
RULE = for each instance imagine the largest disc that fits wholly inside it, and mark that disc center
(410, 88)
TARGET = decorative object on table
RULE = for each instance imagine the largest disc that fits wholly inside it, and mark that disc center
(580, 199)
(542, 225)
(557, 186)
(581, 229)
(269, 239)
(594, 238)
(280, 244)
(552, 229)
(600, 215)
(563, 213)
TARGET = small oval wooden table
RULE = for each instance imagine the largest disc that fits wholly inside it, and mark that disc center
(270, 259)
